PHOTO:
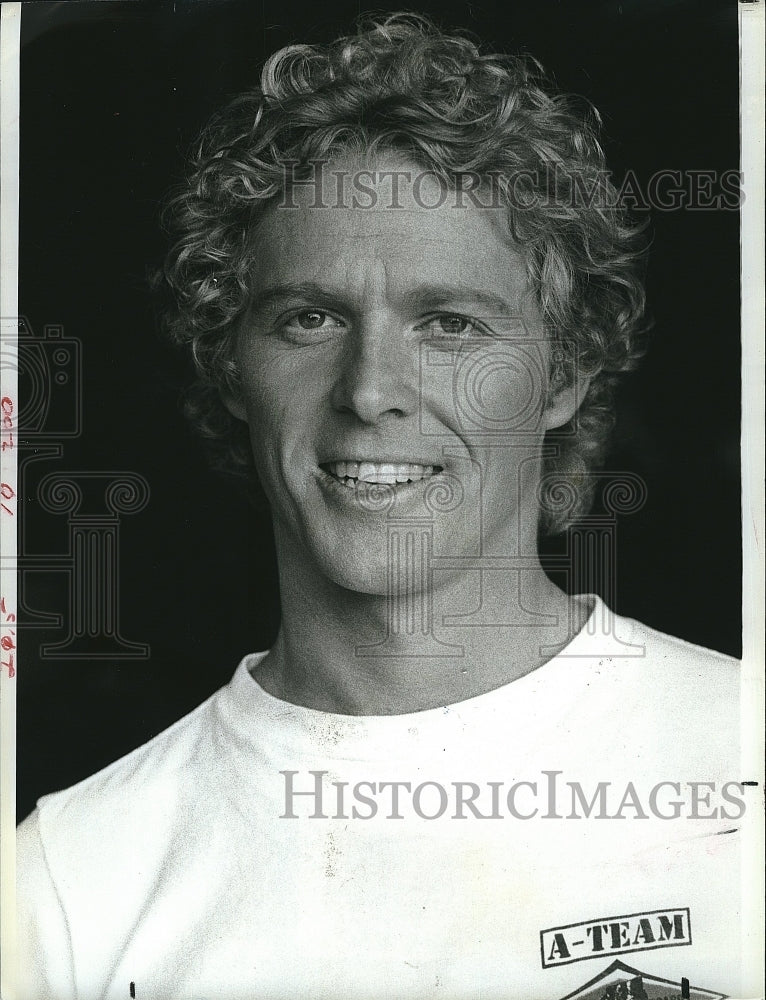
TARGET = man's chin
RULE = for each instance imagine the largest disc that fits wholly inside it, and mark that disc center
(364, 576)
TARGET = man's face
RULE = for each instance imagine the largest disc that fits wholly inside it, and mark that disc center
(393, 368)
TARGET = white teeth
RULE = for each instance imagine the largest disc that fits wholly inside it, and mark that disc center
(387, 473)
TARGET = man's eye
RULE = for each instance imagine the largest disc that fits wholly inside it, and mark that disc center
(313, 319)
(451, 325)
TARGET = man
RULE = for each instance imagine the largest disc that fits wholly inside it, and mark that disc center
(408, 289)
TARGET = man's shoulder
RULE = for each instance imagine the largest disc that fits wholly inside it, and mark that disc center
(143, 787)
(654, 698)
(682, 671)
(694, 680)
(633, 654)
(676, 701)
(680, 652)
(679, 660)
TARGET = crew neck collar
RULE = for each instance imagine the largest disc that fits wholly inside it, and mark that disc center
(257, 716)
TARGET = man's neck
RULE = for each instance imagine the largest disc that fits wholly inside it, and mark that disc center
(359, 654)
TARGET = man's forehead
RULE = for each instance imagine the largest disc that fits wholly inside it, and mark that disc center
(386, 186)
(419, 231)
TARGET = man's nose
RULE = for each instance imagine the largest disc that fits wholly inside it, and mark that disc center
(378, 377)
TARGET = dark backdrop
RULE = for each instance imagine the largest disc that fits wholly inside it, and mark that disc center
(112, 94)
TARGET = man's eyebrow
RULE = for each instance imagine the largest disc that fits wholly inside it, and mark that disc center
(435, 296)
(309, 290)
(429, 296)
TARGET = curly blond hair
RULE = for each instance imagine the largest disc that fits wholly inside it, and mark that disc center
(401, 84)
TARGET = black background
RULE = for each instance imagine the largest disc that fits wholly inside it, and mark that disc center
(112, 94)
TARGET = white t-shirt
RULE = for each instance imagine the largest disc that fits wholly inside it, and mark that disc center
(193, 869)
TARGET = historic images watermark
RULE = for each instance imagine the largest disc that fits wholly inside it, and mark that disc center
(547, 796)
(554, 187)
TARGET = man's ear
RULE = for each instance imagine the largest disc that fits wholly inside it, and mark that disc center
(565, 402)
(233, 403)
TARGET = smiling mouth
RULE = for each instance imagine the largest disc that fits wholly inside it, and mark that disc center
(386, 473)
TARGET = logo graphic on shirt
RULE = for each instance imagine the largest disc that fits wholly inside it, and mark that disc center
(621, 982)
(615, 936)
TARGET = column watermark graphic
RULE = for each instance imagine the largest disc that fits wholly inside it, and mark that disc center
(497, 391)
(84, 549)
(92, 560)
